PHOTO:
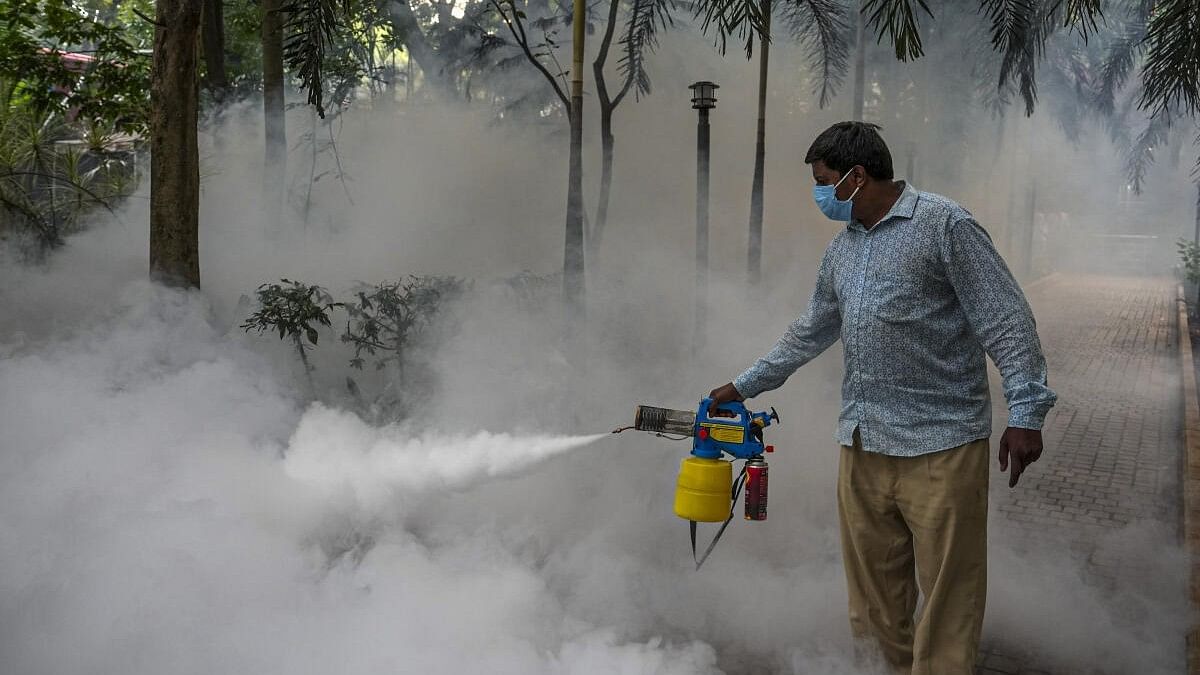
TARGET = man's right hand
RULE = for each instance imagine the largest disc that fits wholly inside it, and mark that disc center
(723, 394)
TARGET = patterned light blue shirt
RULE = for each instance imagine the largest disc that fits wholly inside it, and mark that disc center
(917, 300)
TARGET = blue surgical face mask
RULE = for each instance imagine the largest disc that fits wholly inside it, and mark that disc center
(830, 205)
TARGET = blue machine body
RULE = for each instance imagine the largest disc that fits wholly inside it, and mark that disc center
(739, 436)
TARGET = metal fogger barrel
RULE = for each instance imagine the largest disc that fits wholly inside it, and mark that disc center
(665, 420)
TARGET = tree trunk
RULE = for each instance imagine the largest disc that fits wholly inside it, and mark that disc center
(860, 65)
(1196, 235)
(573, 270)
(433, 68)
(607, 106)
(275, 165)
(606, 170)
(213, 35)
(174, 155)
(1009, 132)
(754, 254)
(1027, 264)
(408, 79)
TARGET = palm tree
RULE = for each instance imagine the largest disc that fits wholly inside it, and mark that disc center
(1141, 115)
(1162, 41)
(821, 26)
(860, 64)
(754, 247)
(1018, 30)
(573, 243)
(817, 24)
(573, 258)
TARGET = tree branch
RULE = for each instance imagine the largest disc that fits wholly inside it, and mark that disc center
(518, 32)
(602, 55)
(147, 19)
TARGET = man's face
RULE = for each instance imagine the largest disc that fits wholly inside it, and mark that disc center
(823, 175)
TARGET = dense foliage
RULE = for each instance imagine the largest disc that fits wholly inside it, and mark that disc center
(90, 60)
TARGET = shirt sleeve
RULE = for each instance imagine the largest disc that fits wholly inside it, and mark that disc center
(804, 340)
(1001, 319)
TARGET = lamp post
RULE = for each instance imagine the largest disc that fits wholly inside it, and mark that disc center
(703, 99)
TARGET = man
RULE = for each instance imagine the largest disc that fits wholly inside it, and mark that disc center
(917, 294)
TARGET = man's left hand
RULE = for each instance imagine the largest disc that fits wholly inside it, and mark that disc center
(1020, 447)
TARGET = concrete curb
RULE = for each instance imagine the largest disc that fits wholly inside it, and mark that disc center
(1191, 474)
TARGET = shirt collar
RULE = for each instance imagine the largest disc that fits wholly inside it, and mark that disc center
(905, 207)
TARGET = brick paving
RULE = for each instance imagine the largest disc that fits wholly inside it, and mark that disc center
(1114, 439)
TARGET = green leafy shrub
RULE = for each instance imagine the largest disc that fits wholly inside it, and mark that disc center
(53, 173)
(386, 322)
(294, 310)
(387, 317)
(1189, 255)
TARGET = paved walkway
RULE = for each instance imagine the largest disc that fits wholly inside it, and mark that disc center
(1113, 442)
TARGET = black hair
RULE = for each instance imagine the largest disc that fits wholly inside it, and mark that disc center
(847, 144)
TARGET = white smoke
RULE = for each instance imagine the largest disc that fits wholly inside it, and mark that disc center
(335, 449)
(168, 506)
(149, 524)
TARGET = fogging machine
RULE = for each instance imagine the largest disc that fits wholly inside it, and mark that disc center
(706, 490)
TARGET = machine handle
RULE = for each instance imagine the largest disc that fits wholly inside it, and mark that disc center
(736, 409)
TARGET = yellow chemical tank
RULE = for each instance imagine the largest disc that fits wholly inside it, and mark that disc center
(702, 491)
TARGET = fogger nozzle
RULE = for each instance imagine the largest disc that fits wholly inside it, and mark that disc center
(665, 420)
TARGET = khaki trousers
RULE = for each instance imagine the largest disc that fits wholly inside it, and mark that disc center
(916, 520)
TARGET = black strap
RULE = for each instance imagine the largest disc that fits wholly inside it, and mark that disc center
(736, 490)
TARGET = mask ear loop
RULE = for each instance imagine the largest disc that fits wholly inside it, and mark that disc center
(835, 186)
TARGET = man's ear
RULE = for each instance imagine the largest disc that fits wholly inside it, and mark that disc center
(860, 175)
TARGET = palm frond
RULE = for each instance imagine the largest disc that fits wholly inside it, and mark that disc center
(821, 26)
(311, 30)
(1019, 32)
(642, 23)
(1082, 15)
(1140, 154)
(1013, 29)
(1124, 45)
(1069, 73)
(1171, 74)
(1117, 124)
(740, 20)
(898, 20)
(985, 70)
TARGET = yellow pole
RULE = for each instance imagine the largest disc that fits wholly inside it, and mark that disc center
(573, 262)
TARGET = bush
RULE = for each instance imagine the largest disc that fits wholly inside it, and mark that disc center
(384, 322)
(53, 173)
(389, 316)
(291, 309)
(1189, 254)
